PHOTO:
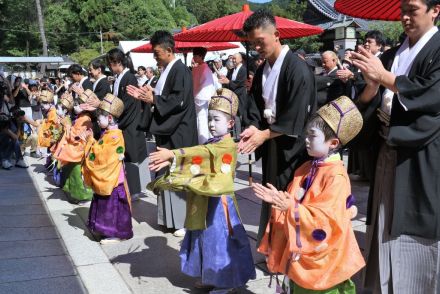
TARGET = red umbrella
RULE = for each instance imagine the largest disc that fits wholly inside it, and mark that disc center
(229, 29)
(372, 9)
(185, 47)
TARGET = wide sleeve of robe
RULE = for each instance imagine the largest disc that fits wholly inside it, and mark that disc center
(103, 162)
(206, 170)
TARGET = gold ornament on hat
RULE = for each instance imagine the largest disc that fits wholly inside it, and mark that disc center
(343, 117)
(112, 105)
(67, 101)
(225, 101)
(46, 96)
(86, 96)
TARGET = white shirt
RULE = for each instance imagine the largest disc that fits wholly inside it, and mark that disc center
(118, 81)
(97, 81)
(235, 72)
(163, 77)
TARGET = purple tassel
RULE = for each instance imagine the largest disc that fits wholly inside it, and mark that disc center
(350, 201)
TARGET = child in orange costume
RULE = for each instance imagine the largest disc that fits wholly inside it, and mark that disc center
(309, 237)
(71, 148)
(45, 131)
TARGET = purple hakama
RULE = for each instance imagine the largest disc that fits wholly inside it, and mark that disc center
(110, 216)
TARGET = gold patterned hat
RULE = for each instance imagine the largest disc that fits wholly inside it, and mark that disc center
(226, 101)
(343, 117)
(86, 95)
(112, 105)
(67, 101)
(46, 96)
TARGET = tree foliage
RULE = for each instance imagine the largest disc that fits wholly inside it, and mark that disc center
(72, 26)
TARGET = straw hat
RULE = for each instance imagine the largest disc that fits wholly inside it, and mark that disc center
(67, 101)
(343, 117)
(226, 101)
(86, 95)
(46, 96)
(112, 105)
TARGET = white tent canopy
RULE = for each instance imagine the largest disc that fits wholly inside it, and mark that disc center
(147, 59)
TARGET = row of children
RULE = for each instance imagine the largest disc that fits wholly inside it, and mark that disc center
(88, 165)
(309, 237)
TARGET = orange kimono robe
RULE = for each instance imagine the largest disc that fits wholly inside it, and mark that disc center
(71, 148)
(103, 162)
(46, 128)
(327, 248)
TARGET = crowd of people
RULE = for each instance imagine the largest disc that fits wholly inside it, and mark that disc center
(377, 103)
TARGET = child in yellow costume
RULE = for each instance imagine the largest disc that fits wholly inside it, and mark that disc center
(51, 129)
(216, 247)
(71, 148)
(103, 171)
(309, 237)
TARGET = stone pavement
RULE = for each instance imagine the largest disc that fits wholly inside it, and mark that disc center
(33, 258)
(148, 263)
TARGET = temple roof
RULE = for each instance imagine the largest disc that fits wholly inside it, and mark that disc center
(326, 7)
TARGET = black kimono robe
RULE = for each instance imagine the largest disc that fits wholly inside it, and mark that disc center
(102, 88)
(239, 88)
(415, 135)
(174, 118)
(135, 145)
(146, 115)
(295, 102)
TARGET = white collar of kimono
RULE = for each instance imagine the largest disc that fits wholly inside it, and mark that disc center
(270, 85)
(97, 81)
(82, 81)
(402, 65)
(235, 72)
(163, 77)
(118, 81)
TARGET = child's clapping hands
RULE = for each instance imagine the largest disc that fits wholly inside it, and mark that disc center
(279, 199)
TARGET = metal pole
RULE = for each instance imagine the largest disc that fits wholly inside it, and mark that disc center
(250, 179)
(100, 33)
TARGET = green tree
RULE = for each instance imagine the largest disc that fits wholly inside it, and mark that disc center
(390, 29)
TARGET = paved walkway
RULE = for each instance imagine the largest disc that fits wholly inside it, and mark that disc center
(148, 263)
(33, 259)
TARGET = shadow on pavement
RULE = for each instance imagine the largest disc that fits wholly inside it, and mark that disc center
(145, 263)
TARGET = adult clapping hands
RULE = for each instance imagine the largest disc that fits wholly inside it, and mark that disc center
(144, 93)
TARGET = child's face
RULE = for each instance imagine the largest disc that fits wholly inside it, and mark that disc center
(103, 121)
(316, 144)
(219, 123)
(45, 106)
(61, 111)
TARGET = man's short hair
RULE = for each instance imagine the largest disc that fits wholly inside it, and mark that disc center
(431, 3)
(149, 69)
(376, 35)
(141, 67)
(75, 69)
(259, 19)
(164, 39)
(200, 51)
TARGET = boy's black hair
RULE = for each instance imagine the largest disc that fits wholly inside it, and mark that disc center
(200, 51)
(376, 35)
(259, 19)
(317, 122)
(75, 69)
(164, 39)
(98, 64)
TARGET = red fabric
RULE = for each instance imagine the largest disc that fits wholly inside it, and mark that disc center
(184, 47)
(372, 9)
(229, 29)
